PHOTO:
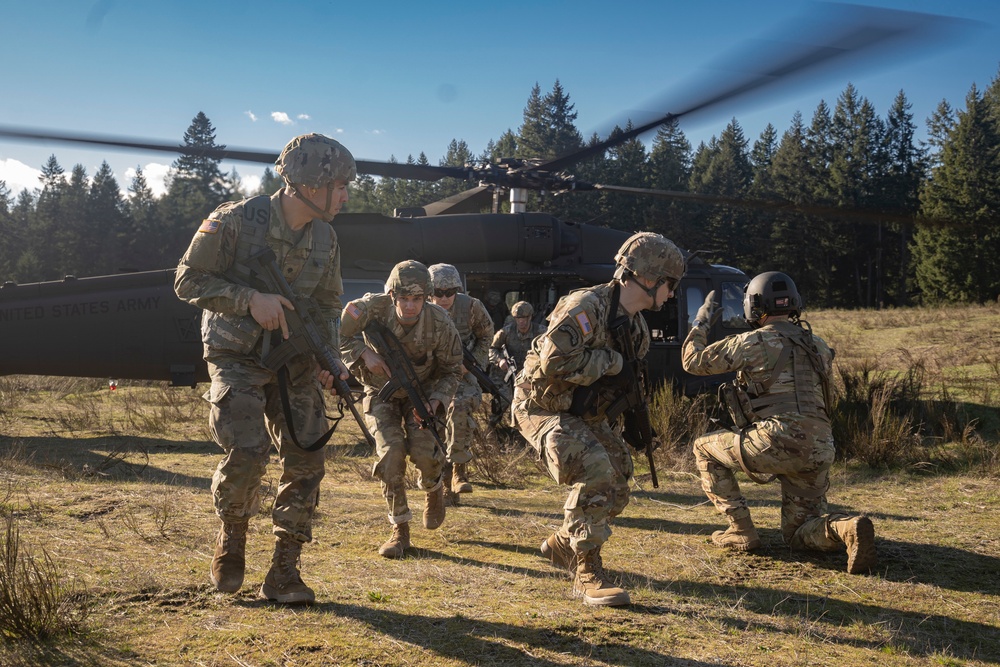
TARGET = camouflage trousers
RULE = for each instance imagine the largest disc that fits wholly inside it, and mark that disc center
(587, 455)
(461, 420)
(246, 417)
(799, 451)
(397, 435)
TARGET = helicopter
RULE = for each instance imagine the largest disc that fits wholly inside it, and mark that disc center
(132, 326)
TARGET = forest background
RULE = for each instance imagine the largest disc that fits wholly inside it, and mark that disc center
(848, 158)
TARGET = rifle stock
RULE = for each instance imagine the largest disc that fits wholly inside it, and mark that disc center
(305, 337)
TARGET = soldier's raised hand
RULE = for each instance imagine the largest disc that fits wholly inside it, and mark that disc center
(710, 311)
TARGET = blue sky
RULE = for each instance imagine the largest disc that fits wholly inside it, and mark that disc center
(397, 78)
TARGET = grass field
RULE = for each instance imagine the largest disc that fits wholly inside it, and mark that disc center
(114, 488)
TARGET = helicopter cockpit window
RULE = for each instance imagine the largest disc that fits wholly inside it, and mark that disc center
(694, 296)
(732, 306)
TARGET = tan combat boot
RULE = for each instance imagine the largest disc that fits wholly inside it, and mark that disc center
(398, 543)
(283, 583)
(460, 480)
(592, 584)
(450, 496)
(858, 535)
(229, 561)
(434, 509)
(559, 551)
(741, 535)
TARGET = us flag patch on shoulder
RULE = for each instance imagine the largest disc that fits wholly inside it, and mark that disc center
(353, 311)
(584, 322)
(209, 226)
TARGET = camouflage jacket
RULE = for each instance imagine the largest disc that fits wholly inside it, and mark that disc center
(517, 344)
(209, 275)
(754, 356)
(577, 349)
(432, 345)
(474, 324)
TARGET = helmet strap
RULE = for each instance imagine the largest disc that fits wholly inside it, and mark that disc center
(324, 214)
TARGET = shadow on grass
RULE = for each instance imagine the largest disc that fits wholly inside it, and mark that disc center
(479, 642)
(915, 633)
(112, 458)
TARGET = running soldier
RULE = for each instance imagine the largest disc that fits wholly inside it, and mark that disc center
(246, 414)
(475, 328)
(573, 438)
(434, 350)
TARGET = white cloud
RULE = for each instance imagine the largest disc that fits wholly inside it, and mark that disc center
(155, 175)
(249, 182)
(251, 115)
(303, 116)
(281, 117)
(18, 176)
(373, 131)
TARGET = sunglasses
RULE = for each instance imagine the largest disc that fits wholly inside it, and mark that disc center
(445, 293)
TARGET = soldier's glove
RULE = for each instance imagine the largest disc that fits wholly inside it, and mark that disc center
(710, 312)
(623, 379)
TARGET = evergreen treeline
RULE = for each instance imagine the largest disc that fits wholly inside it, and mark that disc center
(847, 157)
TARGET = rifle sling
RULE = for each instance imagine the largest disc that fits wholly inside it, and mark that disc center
(277, 359)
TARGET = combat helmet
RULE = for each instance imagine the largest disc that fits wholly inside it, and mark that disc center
(409, 278)
(445, 276)
(522, 309)
(313, 160)
(770, 293)
(653, 257)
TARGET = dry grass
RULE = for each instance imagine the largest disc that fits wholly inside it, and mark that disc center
(126, 512)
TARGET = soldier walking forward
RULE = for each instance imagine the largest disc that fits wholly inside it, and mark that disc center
(237, 328)
(781, 405)
(574, 439)
(432, 345)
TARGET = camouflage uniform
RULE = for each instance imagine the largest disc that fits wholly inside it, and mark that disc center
(475, 328)
(212, 275)
(585, 453)
(797, 448)
(517, 344)
(434, 347)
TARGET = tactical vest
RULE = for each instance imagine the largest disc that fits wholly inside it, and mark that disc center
(461, 311)
(753, 402)
(239, 333)
(381, 308)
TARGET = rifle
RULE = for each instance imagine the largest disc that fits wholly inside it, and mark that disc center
(512, 368)
(638, 430)
(631, 405)
(500, 402)
(304, 338)
(387, 345)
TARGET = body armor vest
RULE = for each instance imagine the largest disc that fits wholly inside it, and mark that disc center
(461, 310)
(239, 333)
(748, 403)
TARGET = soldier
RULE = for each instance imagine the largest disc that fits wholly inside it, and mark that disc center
(494, 306)
(781, 404)
(475, 328)
(578, 445)
(246, 413)
(434, 348)
(515, 336)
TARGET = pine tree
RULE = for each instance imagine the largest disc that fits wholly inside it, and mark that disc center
(109, 228)
(202, 168)
(142, 250)
(669, 169)
(957, 262)
(270, 183)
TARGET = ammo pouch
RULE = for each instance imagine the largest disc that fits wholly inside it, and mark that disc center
(737, 402)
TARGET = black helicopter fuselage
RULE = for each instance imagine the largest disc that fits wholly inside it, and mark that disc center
(132, 326)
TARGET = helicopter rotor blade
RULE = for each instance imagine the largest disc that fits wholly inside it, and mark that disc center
(371, 167)
(842, 32)
(860, 215)
(470, 201)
